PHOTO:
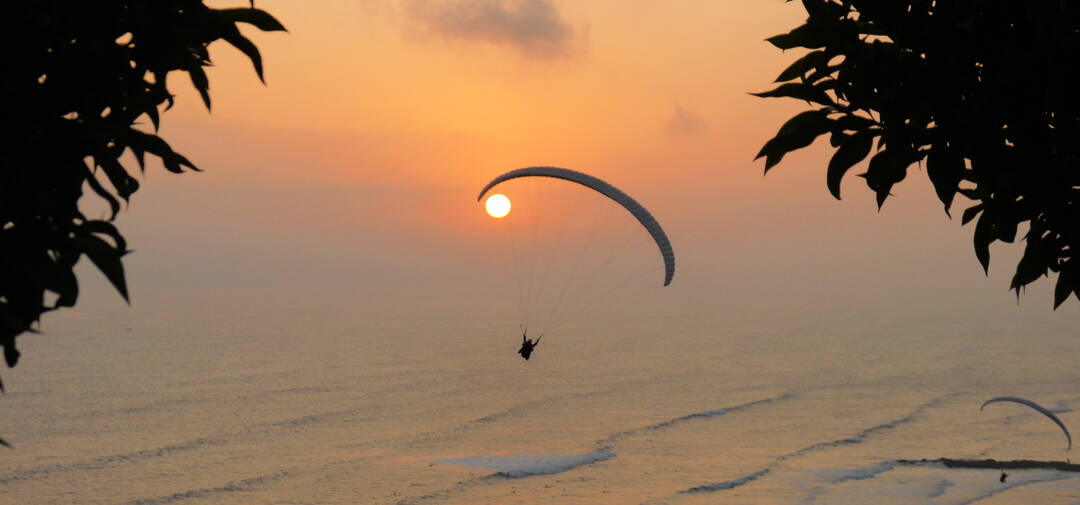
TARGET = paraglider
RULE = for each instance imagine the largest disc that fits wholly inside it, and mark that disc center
(631, 205)
(527, 344)
(574, 283)
(1035, 406)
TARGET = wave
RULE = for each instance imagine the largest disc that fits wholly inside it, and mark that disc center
(104, 461)
(862, 435)
(194, 444)
(229, 487)
(730, 484)
(517, 410)
(305, 389)
(467, 426)
(1017, 464)
(1061, 409)
(516, 466)
(854, 439)
(1006, 487)
(940, 489)
(838, 476)
(607, 441)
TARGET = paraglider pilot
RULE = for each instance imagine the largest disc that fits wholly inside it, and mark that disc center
(527, 345)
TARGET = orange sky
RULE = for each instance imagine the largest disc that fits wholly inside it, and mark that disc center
(381, 119)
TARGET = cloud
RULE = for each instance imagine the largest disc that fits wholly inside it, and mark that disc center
(683, 122)
(533, 27)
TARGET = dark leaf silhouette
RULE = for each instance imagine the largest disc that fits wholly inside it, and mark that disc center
(800, 131)
(799, 90)
(803, 65)
(804, 36)
(970, 213)
(885, 171)
(1063, 287)
(945, 171)
(853, 150)
(257, 18)
(83, 79)
(984, 92)
(984, 234)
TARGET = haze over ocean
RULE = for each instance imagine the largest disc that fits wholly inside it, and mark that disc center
(252, 400)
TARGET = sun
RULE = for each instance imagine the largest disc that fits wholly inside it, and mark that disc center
(497, 205)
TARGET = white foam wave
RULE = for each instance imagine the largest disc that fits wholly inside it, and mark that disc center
(940, 489)
(524, 465)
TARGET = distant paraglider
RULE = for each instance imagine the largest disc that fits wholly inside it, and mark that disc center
(1035, 406)
(527, 344)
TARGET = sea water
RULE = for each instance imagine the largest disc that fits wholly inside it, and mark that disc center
(325, 401)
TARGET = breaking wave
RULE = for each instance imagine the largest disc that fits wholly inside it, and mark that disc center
(517, 466)
(850, 475)
(229, 487)
(1017, 464)
(606, 442)
(730, 484)
(838, 476)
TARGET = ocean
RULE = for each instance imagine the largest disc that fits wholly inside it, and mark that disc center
(249, 399)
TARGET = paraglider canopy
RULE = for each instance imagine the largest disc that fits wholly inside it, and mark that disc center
(1035, 406)
(631, 205)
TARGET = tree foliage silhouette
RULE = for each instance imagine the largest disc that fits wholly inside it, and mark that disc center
(983, 90)
(85, 83)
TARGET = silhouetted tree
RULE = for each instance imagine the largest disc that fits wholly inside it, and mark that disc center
(85, 82)
(983, 90)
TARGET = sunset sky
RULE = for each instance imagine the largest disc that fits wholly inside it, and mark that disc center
(355, 168)
(325, 313)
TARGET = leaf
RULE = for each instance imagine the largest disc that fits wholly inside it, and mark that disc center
(885, 170)
(67, 286)
(173, 161)
(154, 118)
(1007, 223)
(824, 8)
(1031, 266)
(114, 204)
(945, 170)
(1064, 285)
(106, 228)
(238, 41)
(852, 151)
(107, 260)
(799, 131)
(984, 234)
(124, 183)
(801, 91)
(971, 193)
(850, 121)
(802, 65)
(11, 355)
(256, 17)
(970, 213)
(201, 83)
(803, 36)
